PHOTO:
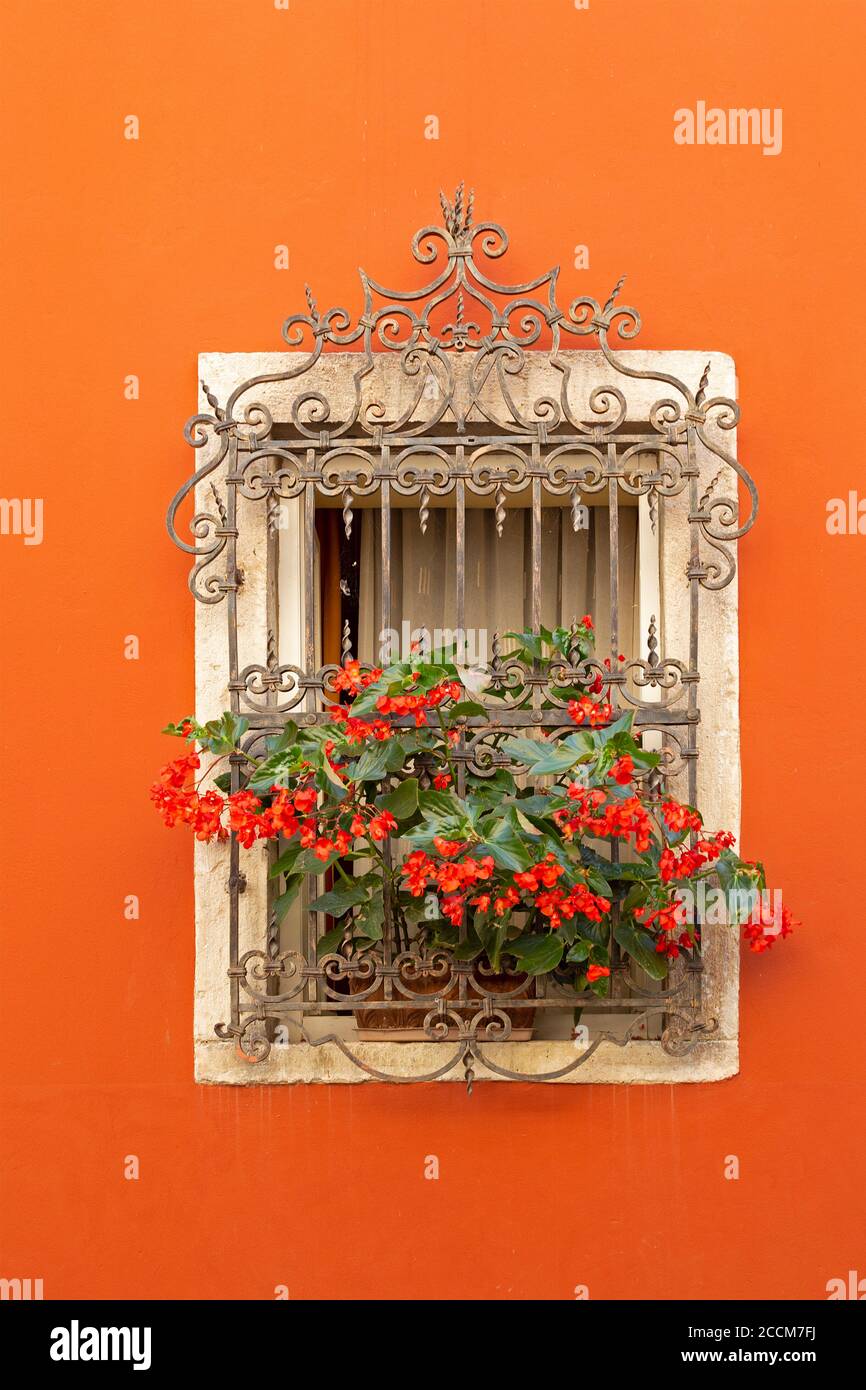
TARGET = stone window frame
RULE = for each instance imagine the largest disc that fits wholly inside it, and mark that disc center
(218, 1061)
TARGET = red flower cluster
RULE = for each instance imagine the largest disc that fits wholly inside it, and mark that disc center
(622, 770)
(381, 825)
(419, 704)
(677, 817)
(619, 820)
(175, 797)
(454, 877)
(597, 712)
(553, 902)
(291, 812)
(666, 921)
(462, 879)
(763, 934)
(448, 874)
(351, 679)
(687, 863)
(556, 904)
(356, 730)
(541, 875)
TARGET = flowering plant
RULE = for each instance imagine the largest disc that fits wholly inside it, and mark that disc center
(494, 869)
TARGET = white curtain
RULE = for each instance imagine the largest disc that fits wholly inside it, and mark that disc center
(575, 574)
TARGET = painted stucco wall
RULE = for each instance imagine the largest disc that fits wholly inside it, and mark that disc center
(305, 127)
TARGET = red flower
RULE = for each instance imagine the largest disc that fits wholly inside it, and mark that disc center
(179, 771)
(448, 876)
(416, 871)
(677, 817)
(526, 881)
(762, 934)
(665, 919)
(441, 781)
(452, 908)
(349, 678)
(281, 818)
(622, 770)
(207, 820)
(448, 848)
(305, 800)
(381, 824)
(597, 972)
(246, 819)
(591, 905)
(688, 863)
(585, 708)
(506, 902)
(549, 904)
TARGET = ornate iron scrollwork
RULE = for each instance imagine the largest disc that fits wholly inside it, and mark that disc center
(467, 345)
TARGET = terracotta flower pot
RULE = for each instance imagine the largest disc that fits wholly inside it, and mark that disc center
(405, 1023)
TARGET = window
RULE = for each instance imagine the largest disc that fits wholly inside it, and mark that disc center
(468, 469)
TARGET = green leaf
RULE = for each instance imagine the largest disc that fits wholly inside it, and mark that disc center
(224, 734)
(469, 948)
(286, 862)
(375, 761)
(531, 642)
(435, 805)
(492, 789)
(284, 902)
(615, 872)
(524, 822)
(597, 883)
(506, 844)
(492, 936)
(619, 726)
(285, 739)
(277, 770)
(309, 862)
(371, 918)
(283, 763)
(537, 955)
(635, 897)
(346, 893)
(443, 934)
(543, 756)
(632, 873)
(330, 941)
(579, 951)
(641, 947)
(328, 782)
(403, 801)
(468, 709)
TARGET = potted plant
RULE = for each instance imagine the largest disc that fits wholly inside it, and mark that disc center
(505, 871)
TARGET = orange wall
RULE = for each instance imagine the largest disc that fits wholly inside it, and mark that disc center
(258, 127)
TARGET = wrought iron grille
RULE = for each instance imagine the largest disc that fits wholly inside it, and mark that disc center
(470, 432)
